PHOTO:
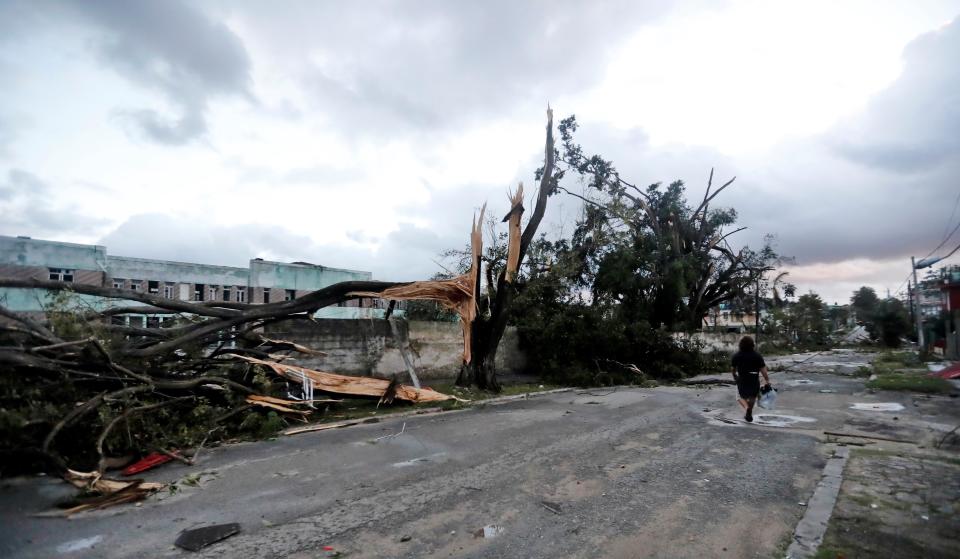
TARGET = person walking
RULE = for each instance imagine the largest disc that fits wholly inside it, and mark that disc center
(748, 365)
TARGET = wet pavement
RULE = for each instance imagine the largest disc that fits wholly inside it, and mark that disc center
(626, 472)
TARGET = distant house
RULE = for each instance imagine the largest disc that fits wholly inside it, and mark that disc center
(261, 282)
(724, 318)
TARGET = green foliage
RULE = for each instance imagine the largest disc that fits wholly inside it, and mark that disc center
(652, 253)
(864, 303)
(809, 320)
(891, 322)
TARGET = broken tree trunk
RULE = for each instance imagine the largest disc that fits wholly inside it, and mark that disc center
(487, 331)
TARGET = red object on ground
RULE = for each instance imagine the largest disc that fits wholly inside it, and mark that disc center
(147, 462)
(953, 371)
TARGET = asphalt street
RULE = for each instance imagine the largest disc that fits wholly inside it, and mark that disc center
(663, 472)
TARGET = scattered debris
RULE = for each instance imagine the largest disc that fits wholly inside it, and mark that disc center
(551, 506)
(402, 429)
(199, 538)
(278, 404)
(827, 391)
(103, 492)
(148, 462)
(801, 382)
(357, 386)
(884, 406)
(325, 426)
(489, 531)
(951, 372)
(405, 538)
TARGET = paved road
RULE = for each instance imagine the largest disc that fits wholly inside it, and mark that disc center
(635, 473)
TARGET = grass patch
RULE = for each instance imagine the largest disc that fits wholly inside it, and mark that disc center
(902, 358)
(833, 552)
(910, 383)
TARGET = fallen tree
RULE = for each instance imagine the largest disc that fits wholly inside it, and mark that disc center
(78, 390)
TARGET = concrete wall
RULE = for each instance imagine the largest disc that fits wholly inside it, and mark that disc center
(726, 342)
(180, 272)
(264, 273)
(22, 251)
(365, 347)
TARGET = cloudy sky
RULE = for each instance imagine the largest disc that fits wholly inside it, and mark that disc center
(364, 135)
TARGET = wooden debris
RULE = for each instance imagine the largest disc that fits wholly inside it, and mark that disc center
(109, 491)
(278, 404)
(321, 427)
(356, 386)
(513, 247)
(458, 294)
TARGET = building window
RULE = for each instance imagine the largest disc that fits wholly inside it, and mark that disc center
(118, 283)
(213, 292)
(61, 274)
(136, 285)
(168, 289)
(290, 295)
(153, 287)
(198, 291)
(266, 295)
(241, 294)
(226, 293)
(153, 322)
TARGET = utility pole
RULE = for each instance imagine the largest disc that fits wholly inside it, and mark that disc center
(918, 313)
(756, 319)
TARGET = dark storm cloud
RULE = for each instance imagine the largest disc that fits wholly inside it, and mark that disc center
(417, 66)
(912, 126)
(29, 207)
(172, 48)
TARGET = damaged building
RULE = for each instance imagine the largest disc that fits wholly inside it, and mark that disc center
(261, 282)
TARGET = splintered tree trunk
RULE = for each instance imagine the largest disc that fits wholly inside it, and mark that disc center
(486, 331)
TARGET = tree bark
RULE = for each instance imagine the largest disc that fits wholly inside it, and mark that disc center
(487, 331)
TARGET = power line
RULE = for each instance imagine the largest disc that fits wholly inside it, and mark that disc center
(955, 249)
(947, 225)
(944, 241)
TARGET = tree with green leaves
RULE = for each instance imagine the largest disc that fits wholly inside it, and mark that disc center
(864, 303)
(650, 250)
(891, 322)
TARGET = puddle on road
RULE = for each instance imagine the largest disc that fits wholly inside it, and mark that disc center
(777, 420)
(723, 418)
(417, 461)
(801, 382)
(883, 406)
(78, 545)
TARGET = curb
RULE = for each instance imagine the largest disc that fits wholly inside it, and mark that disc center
(425, 411)
(810, 530)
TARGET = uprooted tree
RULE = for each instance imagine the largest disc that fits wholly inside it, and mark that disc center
(75, 385)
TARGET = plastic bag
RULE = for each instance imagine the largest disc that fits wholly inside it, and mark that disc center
(768, 397)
